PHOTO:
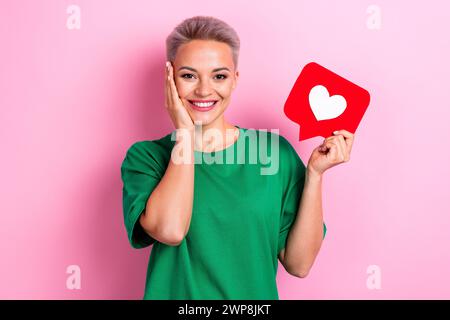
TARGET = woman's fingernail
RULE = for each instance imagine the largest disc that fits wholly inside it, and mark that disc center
(335, 132)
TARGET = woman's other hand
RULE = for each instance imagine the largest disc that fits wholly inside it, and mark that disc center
(333, 151)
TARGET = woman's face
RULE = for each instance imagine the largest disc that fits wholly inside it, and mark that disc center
(204, 71)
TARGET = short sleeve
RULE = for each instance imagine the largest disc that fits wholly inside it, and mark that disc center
(291, 200)
(289, 213)
(139, 177)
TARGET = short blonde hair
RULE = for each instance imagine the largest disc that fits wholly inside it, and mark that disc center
(202, 28)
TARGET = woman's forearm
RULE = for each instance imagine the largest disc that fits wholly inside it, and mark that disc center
(306, 235)
(169, 207)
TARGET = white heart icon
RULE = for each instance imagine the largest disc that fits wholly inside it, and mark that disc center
(325, 107)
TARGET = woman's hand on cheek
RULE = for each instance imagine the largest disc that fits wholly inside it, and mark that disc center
(333, 151)
(175, 107)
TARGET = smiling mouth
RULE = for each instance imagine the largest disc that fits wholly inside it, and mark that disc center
(203, 107)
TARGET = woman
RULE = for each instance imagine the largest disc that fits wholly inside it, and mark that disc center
(218, 228)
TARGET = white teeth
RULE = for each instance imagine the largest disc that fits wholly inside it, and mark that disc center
(202, 104)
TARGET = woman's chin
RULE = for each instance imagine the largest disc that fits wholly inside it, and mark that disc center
(202, 120)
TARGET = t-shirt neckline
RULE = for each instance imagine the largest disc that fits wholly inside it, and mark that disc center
(225, 149)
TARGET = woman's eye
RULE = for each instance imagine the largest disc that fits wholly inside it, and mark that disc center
(186, 74)
(224, 76)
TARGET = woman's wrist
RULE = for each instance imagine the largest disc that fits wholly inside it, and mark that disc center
(181, 130)
(313, 174)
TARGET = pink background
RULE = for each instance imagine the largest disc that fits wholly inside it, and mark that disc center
(73, 101)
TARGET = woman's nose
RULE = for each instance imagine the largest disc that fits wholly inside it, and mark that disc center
(203, 89)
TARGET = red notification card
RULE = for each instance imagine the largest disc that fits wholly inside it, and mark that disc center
(322, 101)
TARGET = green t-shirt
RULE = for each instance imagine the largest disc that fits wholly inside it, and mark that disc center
(240, 217)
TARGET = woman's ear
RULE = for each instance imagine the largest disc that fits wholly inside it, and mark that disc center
(236, 77)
